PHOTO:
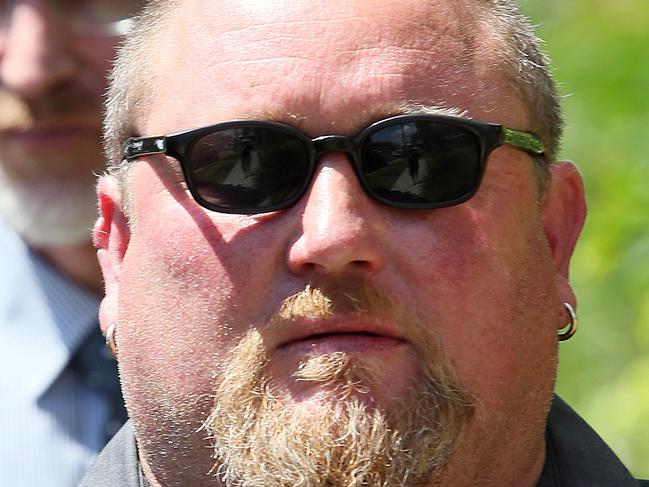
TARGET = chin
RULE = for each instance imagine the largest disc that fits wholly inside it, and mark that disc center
(373, 379)
(344, 425)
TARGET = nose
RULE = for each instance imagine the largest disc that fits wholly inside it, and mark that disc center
(341, 227)
(34, 50)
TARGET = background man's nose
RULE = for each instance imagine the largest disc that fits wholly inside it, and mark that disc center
(35, 54)
(339, 231)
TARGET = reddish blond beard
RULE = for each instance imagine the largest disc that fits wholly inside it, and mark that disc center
(349, 439)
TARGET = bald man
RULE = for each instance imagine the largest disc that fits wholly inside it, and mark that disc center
(335, 239)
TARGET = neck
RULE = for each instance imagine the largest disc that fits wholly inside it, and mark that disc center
(77, 261)
(497, 459)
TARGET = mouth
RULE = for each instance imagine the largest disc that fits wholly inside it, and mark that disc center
(348, 339)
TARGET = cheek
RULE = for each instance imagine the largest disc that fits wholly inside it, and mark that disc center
(188, 291)
(486, 281)
(171, 332)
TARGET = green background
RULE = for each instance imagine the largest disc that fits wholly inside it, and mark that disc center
(600, 53)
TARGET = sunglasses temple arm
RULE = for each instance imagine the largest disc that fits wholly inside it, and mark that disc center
(524, 140)
(141, 146)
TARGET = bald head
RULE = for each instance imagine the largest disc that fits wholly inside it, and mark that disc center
(494, 54)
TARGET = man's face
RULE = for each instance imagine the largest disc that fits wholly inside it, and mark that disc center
(187, 287)
(52, 76)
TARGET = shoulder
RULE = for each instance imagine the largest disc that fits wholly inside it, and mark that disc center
(117, 464)
(579, 455)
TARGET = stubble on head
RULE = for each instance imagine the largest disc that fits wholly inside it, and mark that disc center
(346, 437)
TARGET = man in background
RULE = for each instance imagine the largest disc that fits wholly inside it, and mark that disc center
(60, 392)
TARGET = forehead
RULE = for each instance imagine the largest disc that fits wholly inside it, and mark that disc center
(321, 64)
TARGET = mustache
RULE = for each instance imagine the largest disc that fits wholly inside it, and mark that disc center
(355, 298)
(56, 106)
(345, 297)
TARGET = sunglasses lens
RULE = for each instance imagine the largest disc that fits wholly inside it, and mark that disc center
(421, 163)
(249, 169)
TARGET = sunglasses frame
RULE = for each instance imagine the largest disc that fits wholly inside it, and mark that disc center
(179, 146)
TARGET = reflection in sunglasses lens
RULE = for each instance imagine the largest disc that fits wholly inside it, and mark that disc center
(414, 163)
(250, 167)
(421, 162)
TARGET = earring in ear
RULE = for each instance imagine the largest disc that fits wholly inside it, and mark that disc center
(110, 340)
(571, 328)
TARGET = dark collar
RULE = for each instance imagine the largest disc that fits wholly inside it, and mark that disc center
(117, 465)
(576, 457)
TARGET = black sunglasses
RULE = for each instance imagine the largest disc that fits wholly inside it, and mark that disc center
(407, 161)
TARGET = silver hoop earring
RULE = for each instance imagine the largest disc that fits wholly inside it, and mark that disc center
(110, 340)
(571, 328)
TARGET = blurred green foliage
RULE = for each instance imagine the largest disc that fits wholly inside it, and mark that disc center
(600, 53)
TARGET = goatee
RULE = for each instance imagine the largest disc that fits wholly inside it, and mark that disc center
(347, 439)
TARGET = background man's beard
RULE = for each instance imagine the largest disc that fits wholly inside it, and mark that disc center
(51, 213)
(50, 203)
(259, 440)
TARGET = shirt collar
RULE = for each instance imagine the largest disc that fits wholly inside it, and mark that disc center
(576, 455)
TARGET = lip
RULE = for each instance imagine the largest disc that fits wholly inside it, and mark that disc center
(347, 335)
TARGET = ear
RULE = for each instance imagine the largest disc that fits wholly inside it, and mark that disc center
(111, 236)
(563, 213)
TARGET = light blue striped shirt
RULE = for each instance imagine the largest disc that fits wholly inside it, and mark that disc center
(52, 422)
